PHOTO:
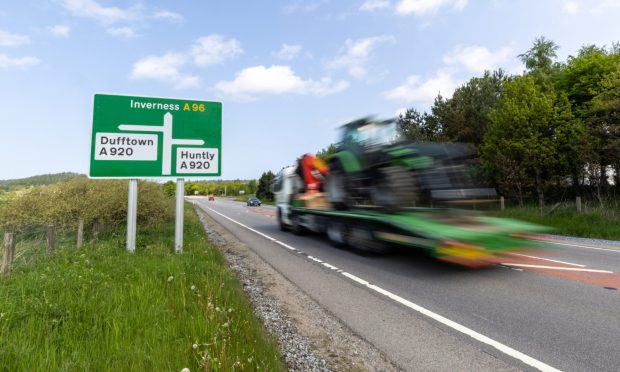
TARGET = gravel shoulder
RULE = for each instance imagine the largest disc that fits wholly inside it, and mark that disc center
(299, 324)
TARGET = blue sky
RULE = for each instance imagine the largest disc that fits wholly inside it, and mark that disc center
(288, 72)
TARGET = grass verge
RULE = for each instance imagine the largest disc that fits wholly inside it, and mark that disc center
(594, 222)
(100, 308)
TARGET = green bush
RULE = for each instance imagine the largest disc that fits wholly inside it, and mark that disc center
(103, 201)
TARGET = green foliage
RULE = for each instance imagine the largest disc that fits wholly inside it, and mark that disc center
(100, 309)
(45, 179)
(528, 131)
(104, 201)
(540, 62)
(326, 153)
(230, 188)
(594, 222)
(417, 127)
(263, 191)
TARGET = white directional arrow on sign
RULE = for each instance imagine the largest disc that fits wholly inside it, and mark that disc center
(166, 130)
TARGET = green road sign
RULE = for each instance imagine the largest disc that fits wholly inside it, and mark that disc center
(143, 137)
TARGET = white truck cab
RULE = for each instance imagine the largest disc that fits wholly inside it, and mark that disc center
(284, 186)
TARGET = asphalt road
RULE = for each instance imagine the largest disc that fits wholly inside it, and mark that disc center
(554, 311)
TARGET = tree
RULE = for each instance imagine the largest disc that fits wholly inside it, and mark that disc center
(605, 121)
(264, 186)
(540, 57)
(326, 153)
(464, 117)
(540, 62)
(528, 130)
(414, 126)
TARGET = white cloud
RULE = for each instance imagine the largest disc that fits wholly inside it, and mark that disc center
(60, 30)
(304, 6)
(288, 52)
(574, 7)
(214, 49)
(479, 58)
(372, 5)
(105, 15)
(570, 7)
(111, 15)
(424, 91)
(400, 112)
(166, 69)
(276, 79)
(126, 32)
(421, 7)
(7, 62)
(603, 6)
(165, 14)
(357, 53)
(8, 39)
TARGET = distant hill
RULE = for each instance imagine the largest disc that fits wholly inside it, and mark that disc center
(43, 179)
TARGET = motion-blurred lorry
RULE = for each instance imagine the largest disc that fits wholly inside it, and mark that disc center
(383, 192)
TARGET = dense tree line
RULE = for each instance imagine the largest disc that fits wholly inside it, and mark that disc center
(230, 188)
(40, 180)
(553, 129)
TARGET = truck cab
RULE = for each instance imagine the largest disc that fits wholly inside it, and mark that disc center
(284, 187)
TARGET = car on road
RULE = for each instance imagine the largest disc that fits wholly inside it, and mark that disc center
(253, 202)
(211, 198)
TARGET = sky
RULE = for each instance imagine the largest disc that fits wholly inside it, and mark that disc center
(288, 72)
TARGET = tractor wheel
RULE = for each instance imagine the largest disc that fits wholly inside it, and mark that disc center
(336, 186)
(394, 188)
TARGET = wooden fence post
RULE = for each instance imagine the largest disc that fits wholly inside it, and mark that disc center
(95, 230)
(50, 240)
(501, 203)
(80, 233)
(578, 203)
(9, 253)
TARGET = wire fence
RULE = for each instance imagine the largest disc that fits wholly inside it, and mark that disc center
(31, 244)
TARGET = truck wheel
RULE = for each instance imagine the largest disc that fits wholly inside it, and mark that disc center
(363, 241)
(296, 227)
(394, 188)
(336, 186)
(283, 226)
(337, 233)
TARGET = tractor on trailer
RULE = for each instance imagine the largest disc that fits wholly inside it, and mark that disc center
(372, 187)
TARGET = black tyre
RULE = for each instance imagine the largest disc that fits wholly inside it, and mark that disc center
(337, 233)
(394, 188)
(337, 186)
(296, 227)
(283, 226)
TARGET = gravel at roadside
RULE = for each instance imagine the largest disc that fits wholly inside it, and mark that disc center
(298, 323)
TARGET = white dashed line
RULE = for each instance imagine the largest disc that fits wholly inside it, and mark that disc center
(456, 326)
(580, 246)
(558, 268)
(548, 259)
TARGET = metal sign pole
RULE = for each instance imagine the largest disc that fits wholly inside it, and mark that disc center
(178, 226)
(132, 214)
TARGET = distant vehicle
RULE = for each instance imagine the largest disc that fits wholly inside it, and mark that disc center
(211, 198)
(253, 202)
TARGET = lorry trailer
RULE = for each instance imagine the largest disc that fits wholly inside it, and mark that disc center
(464, 237)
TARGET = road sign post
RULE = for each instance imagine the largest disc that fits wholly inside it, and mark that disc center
(145, 137)
(132, 215)
(178, 225)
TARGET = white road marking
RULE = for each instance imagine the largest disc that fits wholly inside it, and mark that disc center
(548, 259)
(558, 268)
(580, 246)
(456, 326)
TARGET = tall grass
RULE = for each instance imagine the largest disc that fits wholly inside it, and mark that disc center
(602, 222)
(100, 308)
